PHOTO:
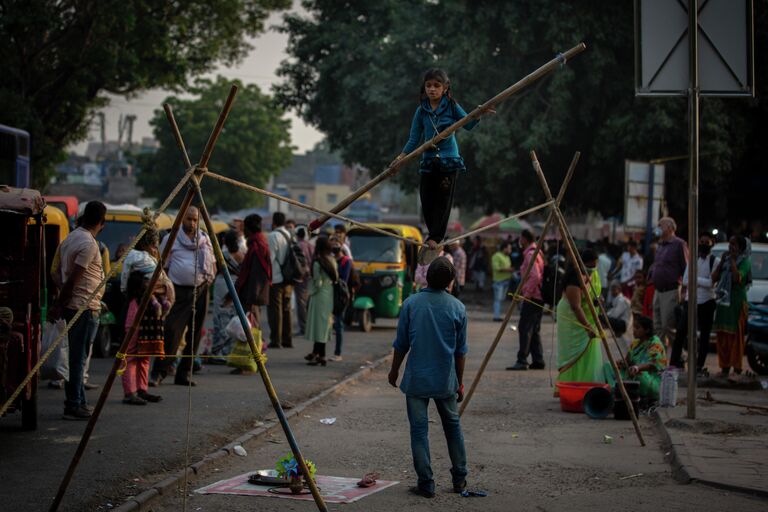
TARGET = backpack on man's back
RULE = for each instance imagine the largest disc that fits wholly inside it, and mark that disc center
(295, 268)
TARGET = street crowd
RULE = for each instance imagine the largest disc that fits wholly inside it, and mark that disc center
(644, 299)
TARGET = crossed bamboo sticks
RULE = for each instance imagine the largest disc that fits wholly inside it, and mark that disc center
(556, 216)
(192, 178)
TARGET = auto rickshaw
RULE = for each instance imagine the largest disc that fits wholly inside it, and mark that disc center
(21, 271)
(387, 267)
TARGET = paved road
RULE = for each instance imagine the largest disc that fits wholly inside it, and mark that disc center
(522, 449)
(135, 445)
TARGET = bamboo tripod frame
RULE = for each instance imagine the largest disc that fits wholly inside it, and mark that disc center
(394, 167)
(575, 259)
(194, 190)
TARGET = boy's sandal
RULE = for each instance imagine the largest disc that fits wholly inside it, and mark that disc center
(421, 492)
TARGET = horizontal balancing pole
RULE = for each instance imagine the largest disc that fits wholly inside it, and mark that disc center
(298, 204)
(390, 171)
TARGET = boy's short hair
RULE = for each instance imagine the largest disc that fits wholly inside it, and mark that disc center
(440, 273)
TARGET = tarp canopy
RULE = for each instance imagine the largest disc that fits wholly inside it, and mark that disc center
(21, 200)
(508, 226)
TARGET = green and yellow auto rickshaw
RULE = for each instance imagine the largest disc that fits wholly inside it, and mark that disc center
(386, 267)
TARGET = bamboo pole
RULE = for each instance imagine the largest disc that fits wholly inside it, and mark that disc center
(516, 297)
(258, 357)
(142, 309)
(572, 255)
(241, 312)
(475, 114)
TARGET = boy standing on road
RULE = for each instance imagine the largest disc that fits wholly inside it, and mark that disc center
(433, 328)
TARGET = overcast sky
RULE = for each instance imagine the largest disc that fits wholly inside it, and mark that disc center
(258, 67)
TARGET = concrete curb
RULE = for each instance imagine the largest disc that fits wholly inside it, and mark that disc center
(683, 469)
(141, 502)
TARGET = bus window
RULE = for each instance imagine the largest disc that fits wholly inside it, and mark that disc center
(14, 157)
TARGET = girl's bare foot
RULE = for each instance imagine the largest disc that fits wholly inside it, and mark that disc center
(432, 244)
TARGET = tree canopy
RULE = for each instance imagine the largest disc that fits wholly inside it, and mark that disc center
(355, 69)
(254, 145)
(60, 56)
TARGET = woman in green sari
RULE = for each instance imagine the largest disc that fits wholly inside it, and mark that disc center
(579, 356)
(645, 360)
(732, 276)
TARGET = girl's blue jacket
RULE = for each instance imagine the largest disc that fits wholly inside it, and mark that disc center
(425, 120)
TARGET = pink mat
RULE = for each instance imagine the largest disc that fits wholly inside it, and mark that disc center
(334, 489)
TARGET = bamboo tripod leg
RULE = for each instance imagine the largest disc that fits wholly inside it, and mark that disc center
(475, 114)
(118, 362)
(239, 308)
(573, 257)
(257, 356)
(515, 299)
(140, 313)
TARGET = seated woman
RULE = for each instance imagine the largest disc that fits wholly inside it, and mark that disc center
(645, 360)
(579, 356)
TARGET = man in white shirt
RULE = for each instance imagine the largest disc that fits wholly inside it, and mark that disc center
(190, 283)
(620, 312)
(705, 308)
(279, 308)
(626, 268)
(81, 274)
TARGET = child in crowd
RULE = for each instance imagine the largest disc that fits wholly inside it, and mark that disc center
(440, 165)
(148, 339)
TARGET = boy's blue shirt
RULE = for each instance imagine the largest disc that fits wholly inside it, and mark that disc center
(423, 129)
(432, 329)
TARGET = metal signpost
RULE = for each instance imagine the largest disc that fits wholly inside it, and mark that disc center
(719, 62)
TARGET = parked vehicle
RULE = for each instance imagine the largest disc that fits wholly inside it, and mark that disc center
(21, 272)
(14, 157)
(757, 338)
(387, 267)
(67, 204)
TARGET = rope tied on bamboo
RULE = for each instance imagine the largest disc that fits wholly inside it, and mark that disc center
(562, 58)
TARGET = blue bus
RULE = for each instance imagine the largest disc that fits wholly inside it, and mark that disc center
(14, 157)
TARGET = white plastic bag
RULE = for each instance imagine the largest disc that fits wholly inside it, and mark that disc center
(55, 367)
(234, 328)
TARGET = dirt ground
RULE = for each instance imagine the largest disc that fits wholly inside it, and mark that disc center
(522, 450)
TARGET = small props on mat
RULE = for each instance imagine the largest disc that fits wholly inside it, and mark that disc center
(287, 467)
(369, 480)
(267, 477)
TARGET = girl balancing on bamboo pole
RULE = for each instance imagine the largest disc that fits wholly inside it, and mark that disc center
(440, 165)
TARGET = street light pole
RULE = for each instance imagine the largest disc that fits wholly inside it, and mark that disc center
(693, 200)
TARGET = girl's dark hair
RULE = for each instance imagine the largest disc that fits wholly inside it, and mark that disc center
(135, 287)
(435, 74)
(150, 238)
(323, 256)
(232, 241)
(644, 322)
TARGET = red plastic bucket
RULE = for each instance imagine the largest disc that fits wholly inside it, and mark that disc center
(572, 394)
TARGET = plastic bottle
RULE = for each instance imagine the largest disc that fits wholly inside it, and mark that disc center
(668, 390)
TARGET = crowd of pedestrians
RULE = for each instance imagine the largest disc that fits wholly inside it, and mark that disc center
(285, 268)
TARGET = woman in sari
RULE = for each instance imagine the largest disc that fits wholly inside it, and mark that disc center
(732, 277)
(579, 356)
(645, 360)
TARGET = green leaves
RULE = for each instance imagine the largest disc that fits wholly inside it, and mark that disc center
(58, 57)
(355, 73)
(254, 145)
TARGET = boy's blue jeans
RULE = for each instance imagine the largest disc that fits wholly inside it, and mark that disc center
(449, 415)
(80, 336)
(500, 289)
